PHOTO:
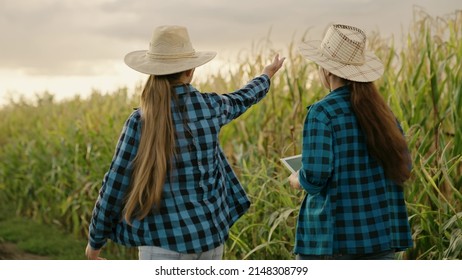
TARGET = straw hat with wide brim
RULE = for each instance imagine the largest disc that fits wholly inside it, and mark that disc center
(170, 51)
(343, 53)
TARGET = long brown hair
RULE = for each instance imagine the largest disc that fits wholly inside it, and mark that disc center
(385, 141)
(156, 148)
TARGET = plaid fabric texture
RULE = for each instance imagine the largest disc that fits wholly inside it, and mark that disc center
(202, 196)
(350, 207)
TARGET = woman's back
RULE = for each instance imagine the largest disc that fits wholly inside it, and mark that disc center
(350, 198)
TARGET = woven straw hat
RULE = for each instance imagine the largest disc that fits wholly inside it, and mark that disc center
(343, 53)
(170, 51)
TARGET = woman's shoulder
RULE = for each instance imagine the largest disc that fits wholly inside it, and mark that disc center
(134, 119)
(323, 106)
(329, 108)
(135, 115)
(336, 103)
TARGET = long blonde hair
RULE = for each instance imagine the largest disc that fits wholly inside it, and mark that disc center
(156, 148)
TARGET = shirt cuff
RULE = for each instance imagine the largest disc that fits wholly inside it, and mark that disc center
(96, 245)
(309, 187)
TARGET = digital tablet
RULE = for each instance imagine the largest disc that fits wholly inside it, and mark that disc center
(293, 163)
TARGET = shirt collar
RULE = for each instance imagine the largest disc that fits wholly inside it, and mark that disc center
(183, 89)
(341, 91)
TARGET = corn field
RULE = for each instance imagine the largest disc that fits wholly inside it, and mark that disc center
(53, 155)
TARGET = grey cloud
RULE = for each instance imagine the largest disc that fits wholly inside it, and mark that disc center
(67, 37)
(52, 38)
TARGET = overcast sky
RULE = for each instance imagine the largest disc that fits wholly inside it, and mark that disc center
(70, 46)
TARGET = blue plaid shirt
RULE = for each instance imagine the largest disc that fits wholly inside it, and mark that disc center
(202, 196)
(350, 207)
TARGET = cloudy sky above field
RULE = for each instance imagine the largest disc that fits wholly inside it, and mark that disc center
(69, 47)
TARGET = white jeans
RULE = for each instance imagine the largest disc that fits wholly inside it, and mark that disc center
(158, 253)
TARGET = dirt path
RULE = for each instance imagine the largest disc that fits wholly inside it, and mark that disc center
(9, 251)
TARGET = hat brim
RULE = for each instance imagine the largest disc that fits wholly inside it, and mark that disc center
(371, 70)
(139, 61)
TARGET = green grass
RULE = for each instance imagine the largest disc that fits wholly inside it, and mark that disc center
(53, 155)
(37, 238)
(45, 240)
(41, 239)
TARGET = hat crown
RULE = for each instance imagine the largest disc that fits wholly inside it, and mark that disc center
(170, 51)
(344, 44)
(170, 42)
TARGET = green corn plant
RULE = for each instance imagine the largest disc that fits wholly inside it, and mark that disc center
(53, 155)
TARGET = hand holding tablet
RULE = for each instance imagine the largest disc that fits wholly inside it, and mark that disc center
(293, 163)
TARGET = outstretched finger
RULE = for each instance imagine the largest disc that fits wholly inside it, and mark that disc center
(279, 61)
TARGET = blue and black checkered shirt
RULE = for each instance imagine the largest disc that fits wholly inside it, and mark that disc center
(202, 196)
(350, 207)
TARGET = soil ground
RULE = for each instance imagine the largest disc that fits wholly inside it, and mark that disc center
(9, 251)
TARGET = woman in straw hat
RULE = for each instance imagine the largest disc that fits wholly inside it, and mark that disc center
(170, 190)
(354, 160)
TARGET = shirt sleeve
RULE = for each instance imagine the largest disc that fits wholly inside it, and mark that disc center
(107, 211)
(317, 155)
(234, 104)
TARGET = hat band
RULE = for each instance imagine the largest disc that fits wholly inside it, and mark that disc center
(171, 56)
